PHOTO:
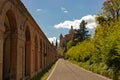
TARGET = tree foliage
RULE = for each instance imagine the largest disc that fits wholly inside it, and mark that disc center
(103, 50)
(102, 53)
(82, 33)
(111, 8)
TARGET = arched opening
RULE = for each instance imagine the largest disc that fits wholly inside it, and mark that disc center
(27, 51)
(10, 47)
(36, 54)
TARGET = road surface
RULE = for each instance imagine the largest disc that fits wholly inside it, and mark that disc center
(64, 70)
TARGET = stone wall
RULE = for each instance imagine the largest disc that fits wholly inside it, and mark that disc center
(30, 50)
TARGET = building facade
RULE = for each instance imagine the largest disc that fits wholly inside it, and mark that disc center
(67, 37)
(24, 49)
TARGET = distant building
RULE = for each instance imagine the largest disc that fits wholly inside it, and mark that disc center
(67, 37)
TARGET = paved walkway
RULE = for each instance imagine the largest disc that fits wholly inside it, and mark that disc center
(65, 70)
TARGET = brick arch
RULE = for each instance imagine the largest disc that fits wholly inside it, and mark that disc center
(27, 51)
(9, 8)
(13, 16)
(10, 46)
(27, 33)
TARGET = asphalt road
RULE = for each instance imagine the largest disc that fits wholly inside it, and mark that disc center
(64, 70)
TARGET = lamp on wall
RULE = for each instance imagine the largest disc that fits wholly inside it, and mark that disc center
(22, 25)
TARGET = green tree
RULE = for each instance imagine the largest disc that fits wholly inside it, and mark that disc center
(101, 20)
(82, 33)
(111, 8)
(56, 44)
(83, 30)
(113, 61)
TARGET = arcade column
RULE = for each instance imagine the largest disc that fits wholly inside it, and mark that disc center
(1, 54)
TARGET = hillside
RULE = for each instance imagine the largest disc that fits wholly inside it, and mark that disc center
(102, 53)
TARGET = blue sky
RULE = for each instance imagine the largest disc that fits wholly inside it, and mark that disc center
(56, 16)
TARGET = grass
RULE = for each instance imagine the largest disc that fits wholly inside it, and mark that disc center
(45, 73)
(94, 68)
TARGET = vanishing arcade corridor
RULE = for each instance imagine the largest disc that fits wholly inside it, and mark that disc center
(24, 48)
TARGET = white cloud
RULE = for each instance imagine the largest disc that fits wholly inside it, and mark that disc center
(53, 39)
(90, 19)
(64, 10)
(39, 10)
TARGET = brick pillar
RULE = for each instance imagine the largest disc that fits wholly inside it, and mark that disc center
(32, 59)
(39, 59)
(1, 55)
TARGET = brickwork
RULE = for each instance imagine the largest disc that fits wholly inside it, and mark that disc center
(22, 43)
